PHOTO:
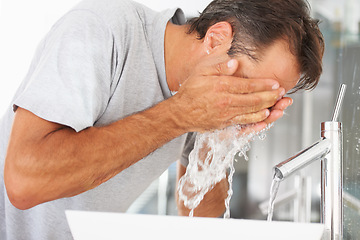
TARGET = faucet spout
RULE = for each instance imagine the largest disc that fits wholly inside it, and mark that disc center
(303, 158)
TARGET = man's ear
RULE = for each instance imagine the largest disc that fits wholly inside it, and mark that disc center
(219, 34)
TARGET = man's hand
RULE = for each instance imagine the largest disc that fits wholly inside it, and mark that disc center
(213, 98)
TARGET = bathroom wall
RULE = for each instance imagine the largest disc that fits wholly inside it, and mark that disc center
(347, 68)
(23, 24)
(349, 72)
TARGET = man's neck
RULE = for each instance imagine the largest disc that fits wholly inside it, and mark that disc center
(180, 54)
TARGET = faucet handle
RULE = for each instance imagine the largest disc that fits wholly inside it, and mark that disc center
(339, 101)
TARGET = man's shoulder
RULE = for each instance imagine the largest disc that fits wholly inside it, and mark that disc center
(126, 10)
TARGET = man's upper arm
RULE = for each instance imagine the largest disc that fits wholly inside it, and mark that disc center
(69, 80)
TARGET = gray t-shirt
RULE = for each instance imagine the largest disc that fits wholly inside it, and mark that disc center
(102, 61)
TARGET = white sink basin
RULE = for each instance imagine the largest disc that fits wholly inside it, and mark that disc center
(108, 226)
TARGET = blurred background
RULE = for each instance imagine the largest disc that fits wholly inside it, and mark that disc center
(23, 23)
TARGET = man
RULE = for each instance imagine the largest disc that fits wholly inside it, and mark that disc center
(94, 122)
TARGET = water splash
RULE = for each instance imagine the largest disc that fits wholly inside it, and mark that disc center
(212, 156)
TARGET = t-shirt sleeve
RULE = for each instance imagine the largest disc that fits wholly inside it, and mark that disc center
(188, 147)
(70, 82)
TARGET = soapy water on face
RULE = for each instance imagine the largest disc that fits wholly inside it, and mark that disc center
(213, 155)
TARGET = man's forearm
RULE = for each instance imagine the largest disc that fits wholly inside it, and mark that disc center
(52, 161)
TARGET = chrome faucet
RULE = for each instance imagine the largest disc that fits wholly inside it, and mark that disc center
(329, 149)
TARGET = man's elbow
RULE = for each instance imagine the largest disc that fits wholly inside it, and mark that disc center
(19, 190)
(19, 200)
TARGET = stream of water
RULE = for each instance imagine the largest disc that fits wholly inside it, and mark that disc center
(273, 192)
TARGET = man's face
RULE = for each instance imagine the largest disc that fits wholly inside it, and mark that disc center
(277, 62)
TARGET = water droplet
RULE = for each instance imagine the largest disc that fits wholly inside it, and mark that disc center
(262, 136)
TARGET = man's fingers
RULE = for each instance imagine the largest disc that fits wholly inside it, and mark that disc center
(283, 103)
(263, 117)
(274, 115)
(252, 103)
(261, 125)
(278, 110)
(252, 128)
(237, 85)
(226, 68)
(251, 117)
(217, 65)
